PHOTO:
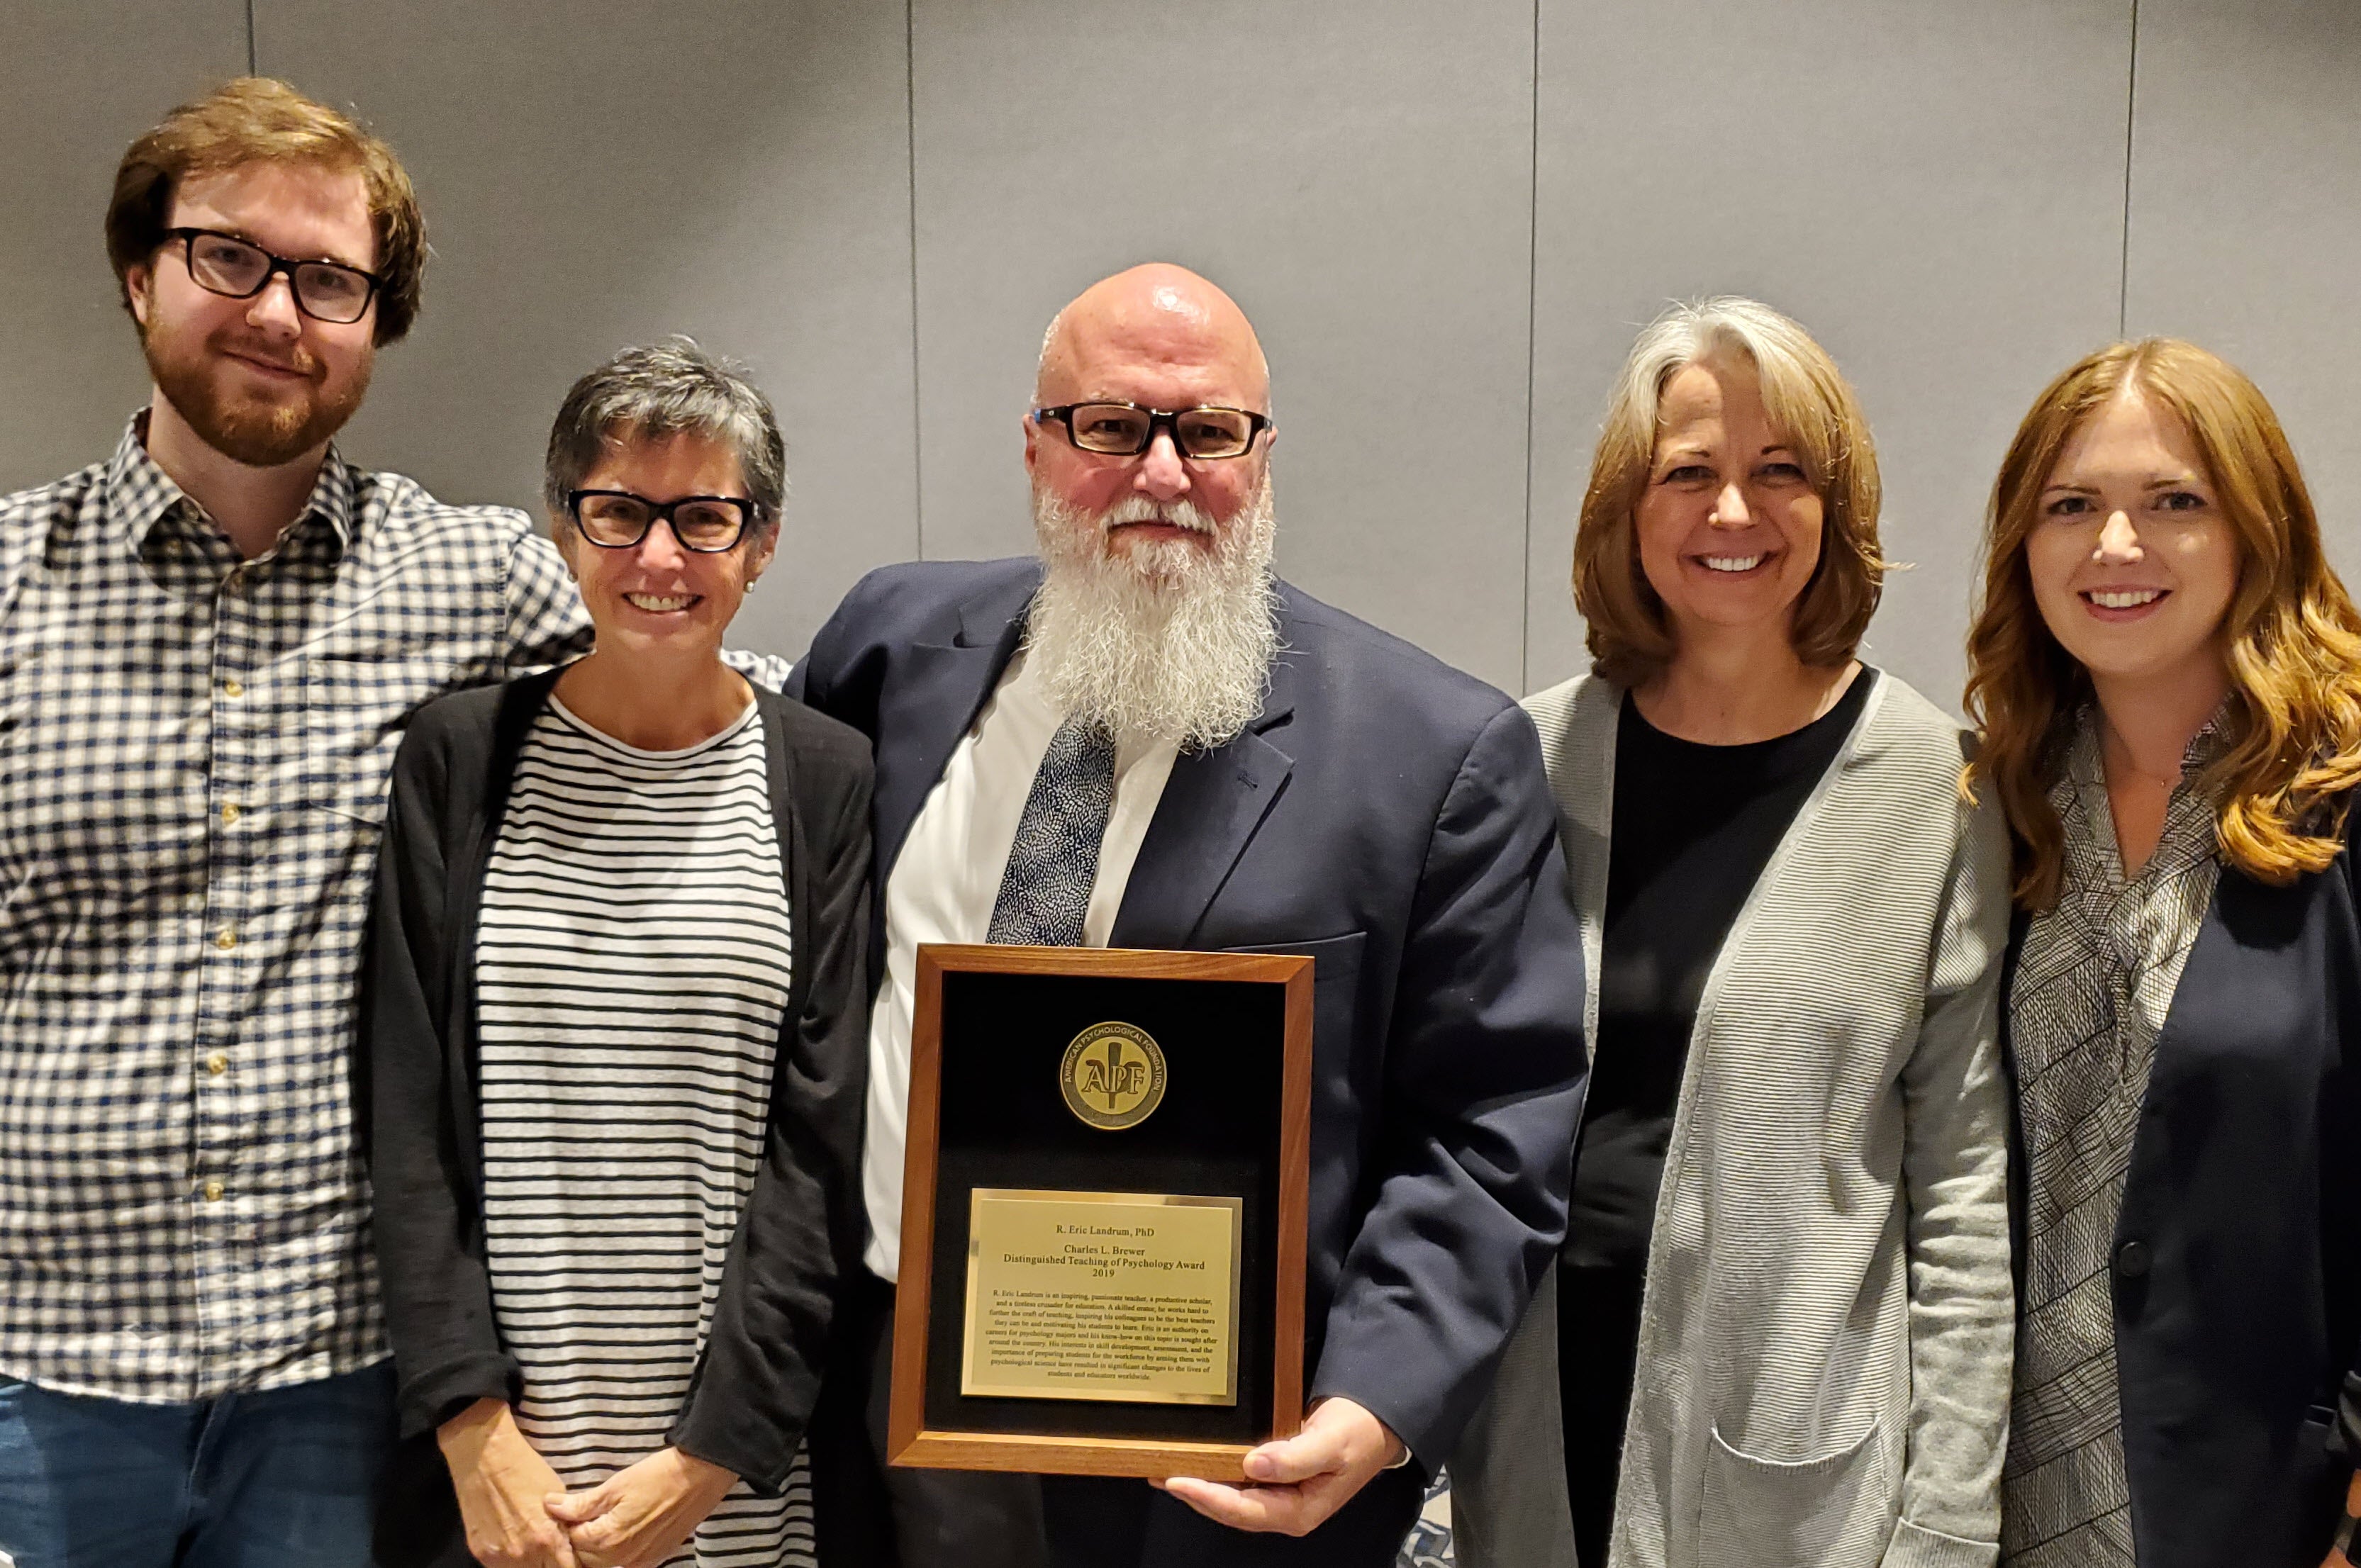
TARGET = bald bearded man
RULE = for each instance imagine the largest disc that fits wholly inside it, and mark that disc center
(1283, 777)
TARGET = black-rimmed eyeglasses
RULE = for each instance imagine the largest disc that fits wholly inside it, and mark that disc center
(239, 269)
(1125, 430)
(617, 519)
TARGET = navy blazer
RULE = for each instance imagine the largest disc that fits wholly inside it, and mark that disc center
(1389, 816)
(2237, 1305)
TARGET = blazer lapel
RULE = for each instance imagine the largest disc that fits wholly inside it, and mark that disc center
(1212, 807)
(943, 687)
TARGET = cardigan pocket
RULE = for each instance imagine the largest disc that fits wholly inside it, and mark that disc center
(1835, 1511)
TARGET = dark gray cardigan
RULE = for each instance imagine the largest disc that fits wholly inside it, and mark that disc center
(416, 1073)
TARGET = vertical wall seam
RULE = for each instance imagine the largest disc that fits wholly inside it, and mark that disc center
(2131, 116)
(1532, 294)
(253, 56)
(917, 427)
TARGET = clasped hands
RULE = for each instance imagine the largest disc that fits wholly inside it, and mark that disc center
(518, 1515)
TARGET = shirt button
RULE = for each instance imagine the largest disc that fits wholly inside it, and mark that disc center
(218, 1063)
(227, 941)
(230, 812)
(212, 1191)
(2133, 1259)
(232, 688)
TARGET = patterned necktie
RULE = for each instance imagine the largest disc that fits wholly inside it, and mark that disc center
(1046, 890)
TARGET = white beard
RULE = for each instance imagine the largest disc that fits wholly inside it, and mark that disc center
(1167, 640)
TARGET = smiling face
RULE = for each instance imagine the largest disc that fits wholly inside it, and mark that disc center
(257, 379)
(654, 599)
(2132, 562)
(1162, 338)
(1728, 523)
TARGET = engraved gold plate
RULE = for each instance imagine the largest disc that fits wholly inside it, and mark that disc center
(1121, 1296)
(1113, 1076)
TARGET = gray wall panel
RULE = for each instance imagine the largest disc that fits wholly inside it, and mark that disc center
(1935, 191)
(1938, 191)
(77, 83)
(1363, 191)
(2246, 216)
(600, 172)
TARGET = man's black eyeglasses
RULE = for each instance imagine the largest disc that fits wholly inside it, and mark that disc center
(617, 519)
(239, 269)
(1125, 430)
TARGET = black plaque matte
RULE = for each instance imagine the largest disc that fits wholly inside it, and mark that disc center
(1005, 1124)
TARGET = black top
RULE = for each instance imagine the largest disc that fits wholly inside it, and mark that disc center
(415, 1079)
(1694, 825)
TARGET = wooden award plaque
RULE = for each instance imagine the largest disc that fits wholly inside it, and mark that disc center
(1104, 1210)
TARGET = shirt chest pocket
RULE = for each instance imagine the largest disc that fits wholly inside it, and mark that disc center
(1335, 983)
(354, 711)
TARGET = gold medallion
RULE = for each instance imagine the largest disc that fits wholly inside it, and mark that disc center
(1113, 1076)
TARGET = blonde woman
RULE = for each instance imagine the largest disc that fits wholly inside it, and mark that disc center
(2168, 676)
(1779, 1331)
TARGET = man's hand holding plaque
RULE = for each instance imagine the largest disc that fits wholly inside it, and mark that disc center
(1294, 1484)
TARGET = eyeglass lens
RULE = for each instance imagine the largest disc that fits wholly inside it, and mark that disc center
(232, 267)
(1199, 433)
(616, 521)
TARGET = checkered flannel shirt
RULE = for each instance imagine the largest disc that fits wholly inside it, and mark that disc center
(193, 761)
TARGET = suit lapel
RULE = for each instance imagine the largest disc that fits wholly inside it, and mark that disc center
(1212, 807)
(943, 687)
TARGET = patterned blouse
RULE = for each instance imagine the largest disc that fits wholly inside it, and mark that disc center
(2093, 982)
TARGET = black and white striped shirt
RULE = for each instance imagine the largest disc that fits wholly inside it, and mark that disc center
(632, 967)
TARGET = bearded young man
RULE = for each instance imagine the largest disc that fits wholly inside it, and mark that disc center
(209, 643)
(1252, 769)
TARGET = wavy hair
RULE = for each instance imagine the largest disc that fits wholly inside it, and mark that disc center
(2292, 637)
(257, 119)
(1811, 404)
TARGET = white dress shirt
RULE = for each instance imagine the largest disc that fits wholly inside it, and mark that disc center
(946, 880)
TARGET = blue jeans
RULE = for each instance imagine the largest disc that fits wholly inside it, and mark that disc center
(281, 1479)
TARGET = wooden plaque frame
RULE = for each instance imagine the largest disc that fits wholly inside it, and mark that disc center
(909, 1439)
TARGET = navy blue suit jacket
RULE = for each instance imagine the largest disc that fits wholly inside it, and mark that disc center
(2237, 1256)
(1389, 816)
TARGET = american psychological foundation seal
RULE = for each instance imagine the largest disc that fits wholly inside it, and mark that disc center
(1113, 1076)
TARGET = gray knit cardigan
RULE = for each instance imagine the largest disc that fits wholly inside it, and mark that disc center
(1826, 1330)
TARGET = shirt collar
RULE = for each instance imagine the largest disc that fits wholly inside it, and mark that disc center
(2080, 798)
(2208, 746)
(2205, 748)
(141, 496)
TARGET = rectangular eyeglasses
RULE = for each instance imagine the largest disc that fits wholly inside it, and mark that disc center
(617, 519)
(238, 269)
(1125, 430)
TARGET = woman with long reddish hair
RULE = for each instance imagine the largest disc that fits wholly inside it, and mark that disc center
(2169, 679)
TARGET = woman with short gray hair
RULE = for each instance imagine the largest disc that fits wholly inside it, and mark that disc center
(617, 1027)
